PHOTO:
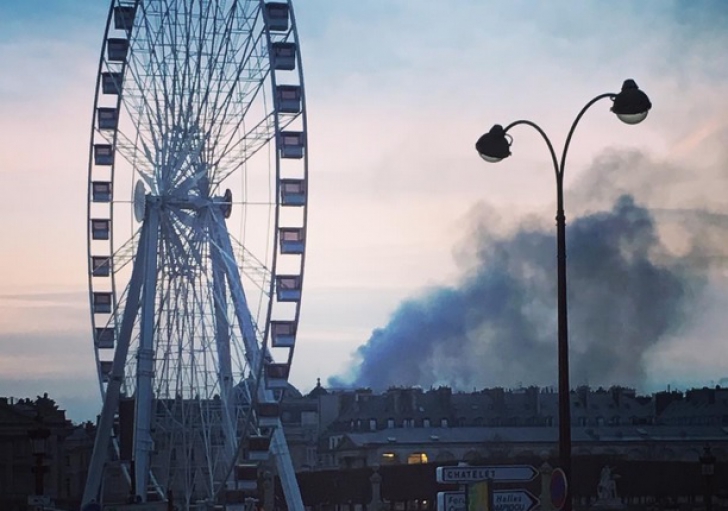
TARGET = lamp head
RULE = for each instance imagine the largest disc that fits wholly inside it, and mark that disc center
(494, 145)
(631, 105)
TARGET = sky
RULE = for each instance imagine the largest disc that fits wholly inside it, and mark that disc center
(401, 209)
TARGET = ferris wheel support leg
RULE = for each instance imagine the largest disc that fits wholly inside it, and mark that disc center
(113, 390)
(240, 303)
(145, 358)
(279, 446)
(286, 472)
(222, 335)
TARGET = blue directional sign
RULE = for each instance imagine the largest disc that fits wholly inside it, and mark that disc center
(514, 500)
(503, 500)
(451, 501)
(498, 473)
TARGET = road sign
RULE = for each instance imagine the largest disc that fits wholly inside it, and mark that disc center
(480, 496)
(514, 500)
(451, 501)
(503, 500)
(559, 488)
(496, 473)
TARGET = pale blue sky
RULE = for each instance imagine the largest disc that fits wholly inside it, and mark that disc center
(398, 91)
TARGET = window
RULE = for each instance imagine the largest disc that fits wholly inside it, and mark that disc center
(408, 423)
(389, 458)
(372, 424)
(417, 458)
(443, 422)
(390, 423)
(425, 423)
(311, 456)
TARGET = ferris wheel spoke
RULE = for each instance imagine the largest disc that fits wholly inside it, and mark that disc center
(252, 266)
(218, 103)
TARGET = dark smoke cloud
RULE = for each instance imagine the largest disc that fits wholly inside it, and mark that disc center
(497, 326)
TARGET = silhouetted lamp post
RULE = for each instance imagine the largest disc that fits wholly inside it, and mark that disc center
(631, 106)
(38, 437)
(707, 468)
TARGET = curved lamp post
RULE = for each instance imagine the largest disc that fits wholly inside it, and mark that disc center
(631, 106)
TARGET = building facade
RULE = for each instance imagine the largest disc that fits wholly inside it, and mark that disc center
(353, 431)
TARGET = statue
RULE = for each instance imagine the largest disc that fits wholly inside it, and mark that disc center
(607, 491)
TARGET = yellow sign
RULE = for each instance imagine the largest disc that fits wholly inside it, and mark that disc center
(479, 496)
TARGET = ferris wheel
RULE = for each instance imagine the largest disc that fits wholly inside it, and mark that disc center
(197, 208)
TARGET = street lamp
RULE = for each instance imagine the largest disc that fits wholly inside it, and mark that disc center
(707, 466)
(38, 436)
(631, 106)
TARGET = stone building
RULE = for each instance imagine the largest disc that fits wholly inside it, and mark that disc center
(360, 428)
(60, 453)
(330, 431)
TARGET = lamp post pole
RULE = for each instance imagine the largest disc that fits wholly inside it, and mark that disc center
(631, 106)
(38, 436)
(707, 462)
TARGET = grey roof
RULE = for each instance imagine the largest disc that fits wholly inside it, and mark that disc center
(485, 435)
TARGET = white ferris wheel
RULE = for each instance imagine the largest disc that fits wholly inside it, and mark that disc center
(196, 245)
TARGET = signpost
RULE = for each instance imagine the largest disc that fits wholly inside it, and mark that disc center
(503, 500)
(496, 473)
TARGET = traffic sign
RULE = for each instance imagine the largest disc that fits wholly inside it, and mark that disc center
(559, 488)
(451, 501)
(480, 496)
(497, 473)
(514, 500)
(503, 500)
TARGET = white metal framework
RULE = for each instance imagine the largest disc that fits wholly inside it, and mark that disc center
(197, 205)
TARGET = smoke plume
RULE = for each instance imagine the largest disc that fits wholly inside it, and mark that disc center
(635, 270)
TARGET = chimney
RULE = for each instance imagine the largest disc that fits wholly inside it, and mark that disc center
(533, 394)
(583, 393)
(663, 400)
